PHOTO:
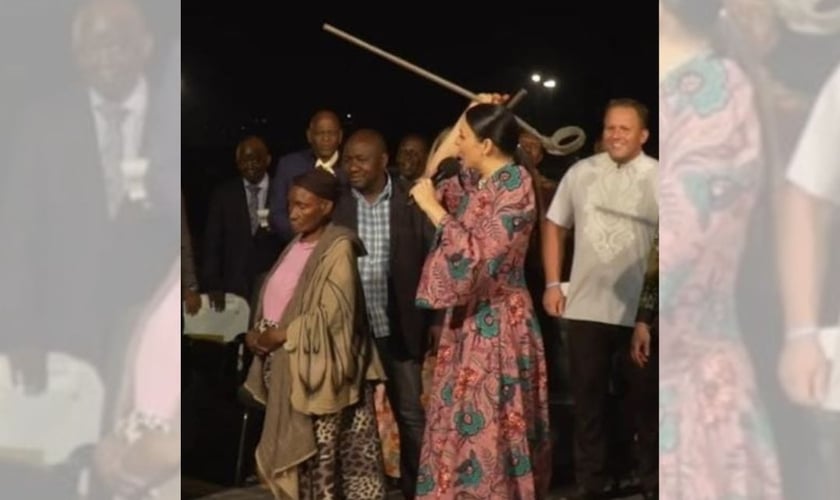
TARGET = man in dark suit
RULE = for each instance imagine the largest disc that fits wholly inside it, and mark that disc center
(151, 458)
(87, 250)
(397, 237)
(240, 247)
(324, 135)
(89, 233)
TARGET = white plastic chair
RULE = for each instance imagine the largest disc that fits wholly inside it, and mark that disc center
(227, 327)
(224, 326)
(44, 429)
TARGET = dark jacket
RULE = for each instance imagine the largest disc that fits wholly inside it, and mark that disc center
(410, 239)
(233, 257)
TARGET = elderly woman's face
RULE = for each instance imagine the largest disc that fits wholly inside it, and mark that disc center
(307, 212)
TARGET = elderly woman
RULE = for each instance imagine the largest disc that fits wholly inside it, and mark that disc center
(315, 359)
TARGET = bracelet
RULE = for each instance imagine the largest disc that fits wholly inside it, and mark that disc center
(553, 284)
(802, 332)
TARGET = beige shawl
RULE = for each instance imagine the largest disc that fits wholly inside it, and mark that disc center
(322, 366)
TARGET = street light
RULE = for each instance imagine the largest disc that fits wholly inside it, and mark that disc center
(549, 84)
(536, 78)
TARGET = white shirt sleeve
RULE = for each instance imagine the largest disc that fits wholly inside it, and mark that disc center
(561, 210)
(815, 164)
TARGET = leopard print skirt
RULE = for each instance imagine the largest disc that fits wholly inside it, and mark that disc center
(348, 464)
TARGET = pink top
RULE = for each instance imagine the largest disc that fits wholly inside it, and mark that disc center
(157, 367)
(281, 285)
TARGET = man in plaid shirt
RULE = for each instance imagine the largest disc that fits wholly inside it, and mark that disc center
(377, 207)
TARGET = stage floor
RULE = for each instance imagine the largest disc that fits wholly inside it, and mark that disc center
(197, 490)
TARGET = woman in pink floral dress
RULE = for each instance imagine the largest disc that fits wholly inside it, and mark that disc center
(487, 420)
(715, 441)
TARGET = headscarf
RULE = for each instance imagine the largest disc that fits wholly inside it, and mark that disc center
(319, 182)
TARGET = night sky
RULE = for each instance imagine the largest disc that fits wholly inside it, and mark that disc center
(248, 70)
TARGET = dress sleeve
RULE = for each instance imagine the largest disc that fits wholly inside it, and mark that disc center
(466, 258)
(713, 158)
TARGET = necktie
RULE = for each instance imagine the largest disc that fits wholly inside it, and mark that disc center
(253, 206)
(112, 149)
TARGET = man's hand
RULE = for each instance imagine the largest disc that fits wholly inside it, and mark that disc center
(804, 370)
(640, 345)
(192, 301)
(217, 300)
(554, 301)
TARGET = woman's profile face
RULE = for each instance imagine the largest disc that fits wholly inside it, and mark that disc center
(307, 212)
(470, 149)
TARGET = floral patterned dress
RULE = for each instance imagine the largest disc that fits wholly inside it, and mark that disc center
(487, 418)
(715, 441)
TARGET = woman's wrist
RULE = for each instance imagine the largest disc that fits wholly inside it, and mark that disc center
(436, 214)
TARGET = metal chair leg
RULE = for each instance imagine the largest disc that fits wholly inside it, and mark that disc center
(238, 480)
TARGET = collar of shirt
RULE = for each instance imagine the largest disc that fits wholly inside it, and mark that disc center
(328, 165)
(263, 184)
(384, 195)
(628, 163)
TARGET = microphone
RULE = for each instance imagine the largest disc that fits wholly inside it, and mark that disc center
(449, 167)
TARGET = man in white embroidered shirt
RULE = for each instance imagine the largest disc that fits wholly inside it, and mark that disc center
(610, 201)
